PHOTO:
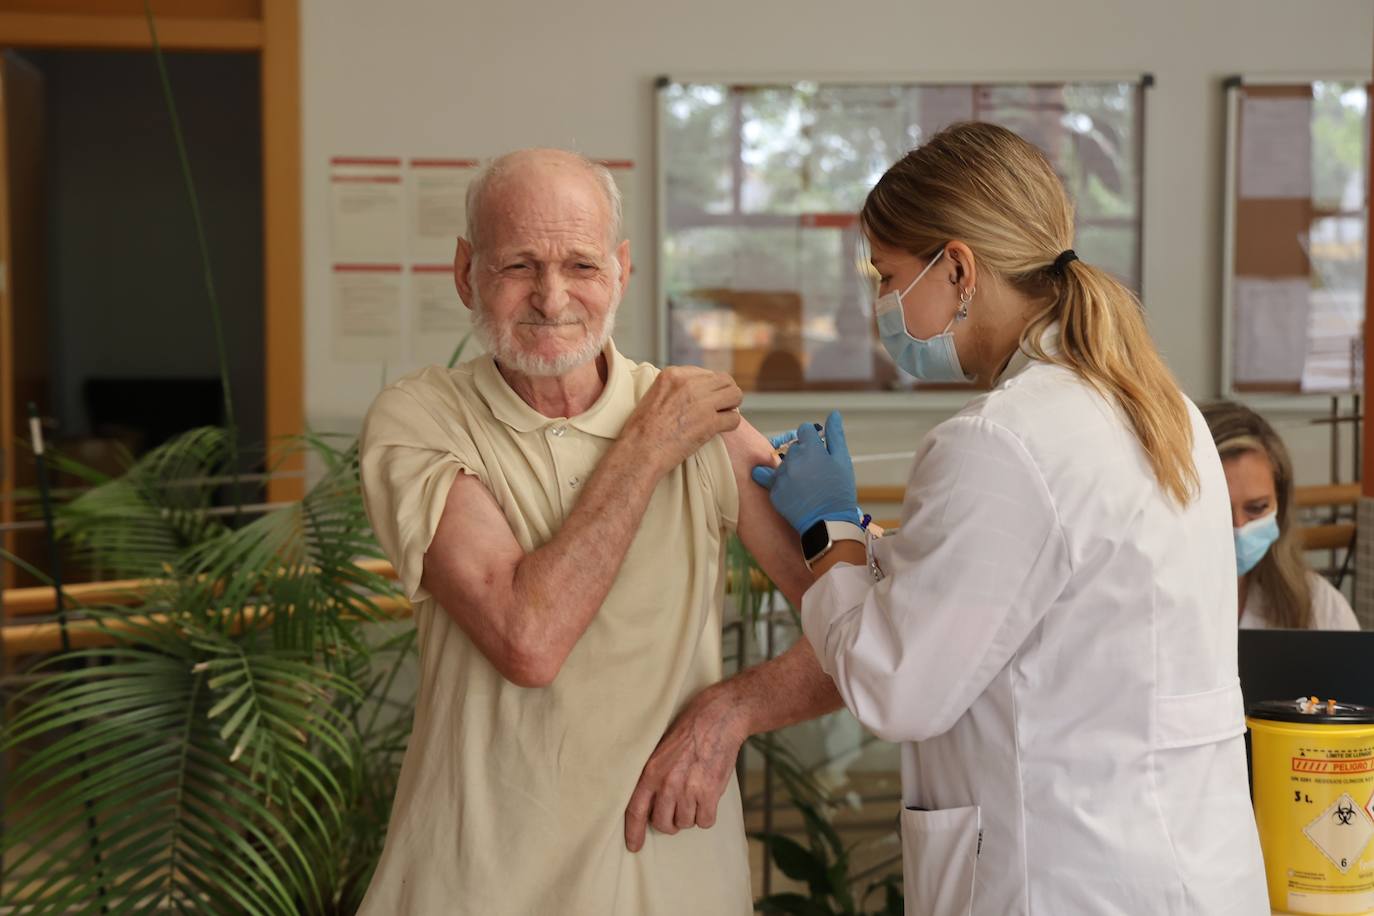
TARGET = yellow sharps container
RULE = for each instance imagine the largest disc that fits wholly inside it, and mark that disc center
(1313, 768)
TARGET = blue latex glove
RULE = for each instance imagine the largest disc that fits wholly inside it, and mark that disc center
(780, 439)
(815, 481)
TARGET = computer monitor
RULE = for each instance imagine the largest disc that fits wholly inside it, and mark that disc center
(1287, 664)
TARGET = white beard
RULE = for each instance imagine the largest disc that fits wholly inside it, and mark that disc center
(499, 341)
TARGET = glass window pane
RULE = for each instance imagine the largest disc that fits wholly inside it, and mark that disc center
(763, 184)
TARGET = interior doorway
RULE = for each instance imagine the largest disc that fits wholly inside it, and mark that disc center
(119, 346)
(131, 358)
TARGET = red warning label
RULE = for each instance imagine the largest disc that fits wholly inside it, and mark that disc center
(1335, 767)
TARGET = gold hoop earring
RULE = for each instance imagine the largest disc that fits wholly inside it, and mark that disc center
(965, 297)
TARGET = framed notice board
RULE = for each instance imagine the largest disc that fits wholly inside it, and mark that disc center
(1296, 214)
(762, 272)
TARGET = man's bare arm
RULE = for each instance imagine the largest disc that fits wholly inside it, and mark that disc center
(791, 688)
(689, 770)
(525, 612)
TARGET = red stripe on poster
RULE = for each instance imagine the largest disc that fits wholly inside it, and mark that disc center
(365, 160)
(444, 163)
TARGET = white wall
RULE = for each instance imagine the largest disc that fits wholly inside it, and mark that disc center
(426, 77)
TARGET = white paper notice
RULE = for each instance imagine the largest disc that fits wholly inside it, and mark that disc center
(1276, 148)
(367, 210)
(367, 313)
(1271, 330)
(438, 206)
(439, 320)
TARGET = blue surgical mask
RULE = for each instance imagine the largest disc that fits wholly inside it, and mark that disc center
(933, 359)
(1253, 540)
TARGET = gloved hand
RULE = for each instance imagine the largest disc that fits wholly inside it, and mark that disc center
(778, 440)
(786, 439)
(815, 480)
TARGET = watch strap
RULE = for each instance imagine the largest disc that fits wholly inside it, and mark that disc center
(834, 531)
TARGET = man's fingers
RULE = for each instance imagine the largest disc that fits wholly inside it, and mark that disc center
(727, 420)
(637, 817)
(726, 398)
(663, 818)
(686, 814)
(706, 814)
(763, 476)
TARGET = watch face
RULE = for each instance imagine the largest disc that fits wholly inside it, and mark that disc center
(814, 540)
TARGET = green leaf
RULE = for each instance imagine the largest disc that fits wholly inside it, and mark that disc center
(795, 860)
(794, 904)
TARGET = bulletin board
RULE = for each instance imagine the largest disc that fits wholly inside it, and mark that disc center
(1296, 212)
(762, 268)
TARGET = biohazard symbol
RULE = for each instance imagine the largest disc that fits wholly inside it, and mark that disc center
(1344, 813)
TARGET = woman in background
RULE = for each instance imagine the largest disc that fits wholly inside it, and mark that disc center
(1277, 588)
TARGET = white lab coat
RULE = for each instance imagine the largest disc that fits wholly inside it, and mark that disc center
(1055, 645)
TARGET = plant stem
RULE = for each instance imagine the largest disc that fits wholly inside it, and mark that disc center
(216, 317)
(54, 564)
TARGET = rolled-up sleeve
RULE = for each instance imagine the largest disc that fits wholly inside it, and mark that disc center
(409, 460)
(979, 559)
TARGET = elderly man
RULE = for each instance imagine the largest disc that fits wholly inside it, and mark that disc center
(558, 515)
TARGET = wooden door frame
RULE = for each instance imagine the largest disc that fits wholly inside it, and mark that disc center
(273, 30)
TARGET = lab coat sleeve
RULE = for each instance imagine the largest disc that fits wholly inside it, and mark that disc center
(978, 560)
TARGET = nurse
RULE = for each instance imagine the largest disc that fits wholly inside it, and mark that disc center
(1050, 633)
(1275, 586)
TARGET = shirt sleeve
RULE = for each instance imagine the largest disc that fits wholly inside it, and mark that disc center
(409, 460)
(1330, 610)
(713, 461)
(978, 560)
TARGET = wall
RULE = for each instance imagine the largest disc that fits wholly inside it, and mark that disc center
(426, 77)
(127, 292)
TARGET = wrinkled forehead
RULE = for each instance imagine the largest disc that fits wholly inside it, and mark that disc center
(545, 209)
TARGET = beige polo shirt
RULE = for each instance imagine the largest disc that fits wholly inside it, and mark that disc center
(512, 800)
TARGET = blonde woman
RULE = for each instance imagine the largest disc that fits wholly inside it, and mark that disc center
(1051, 631)
(1276, 587)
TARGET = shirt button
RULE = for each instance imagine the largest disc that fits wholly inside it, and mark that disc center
(559, 431)
(573, 482)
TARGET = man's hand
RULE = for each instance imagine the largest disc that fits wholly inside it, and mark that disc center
(688, 771)
(680, 413)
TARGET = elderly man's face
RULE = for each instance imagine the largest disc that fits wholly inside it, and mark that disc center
(545, 285)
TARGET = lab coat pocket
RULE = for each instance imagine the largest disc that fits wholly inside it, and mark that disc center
(939, 858)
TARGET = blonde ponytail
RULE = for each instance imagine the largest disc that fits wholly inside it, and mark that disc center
(1103, 338)
(985, 186)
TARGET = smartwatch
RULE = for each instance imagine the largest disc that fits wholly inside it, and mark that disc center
(817, 540)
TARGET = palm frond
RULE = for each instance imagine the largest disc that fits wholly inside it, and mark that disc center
(212, 774)
(298, 565)
(139, 524)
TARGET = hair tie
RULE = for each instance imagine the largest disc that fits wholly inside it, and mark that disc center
(1063, 260)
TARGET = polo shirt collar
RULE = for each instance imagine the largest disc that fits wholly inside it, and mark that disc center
(604, 418)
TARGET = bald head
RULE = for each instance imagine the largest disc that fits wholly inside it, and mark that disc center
(532, 177)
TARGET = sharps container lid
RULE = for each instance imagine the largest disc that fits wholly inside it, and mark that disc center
(1311, 711)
